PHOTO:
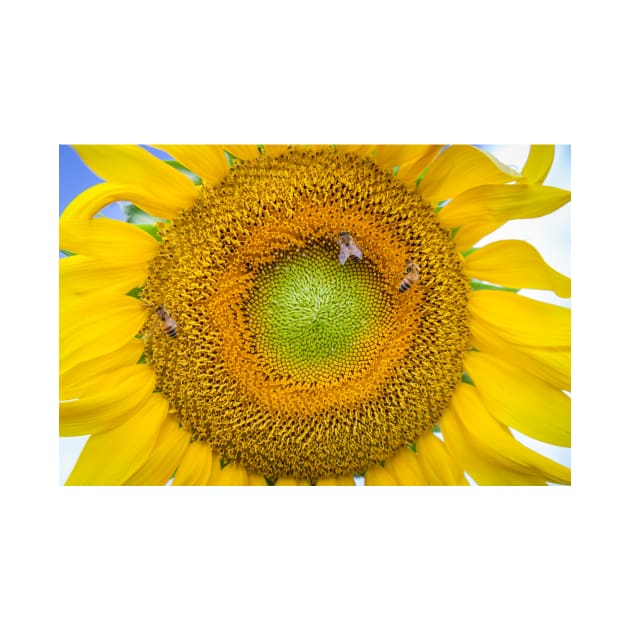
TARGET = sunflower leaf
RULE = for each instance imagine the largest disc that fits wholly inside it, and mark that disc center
(135, 215)
(135, 292)
(196, 180)
(477, 285)
(151, 229)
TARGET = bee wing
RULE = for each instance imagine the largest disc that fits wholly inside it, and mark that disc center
(355, 251)
(344, 253)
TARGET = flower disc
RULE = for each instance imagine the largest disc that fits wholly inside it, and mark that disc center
(286, 360)
(314, 319)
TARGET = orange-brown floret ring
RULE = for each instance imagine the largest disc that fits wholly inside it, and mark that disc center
(228, 310)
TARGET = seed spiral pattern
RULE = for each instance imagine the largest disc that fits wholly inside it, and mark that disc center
(286, 361)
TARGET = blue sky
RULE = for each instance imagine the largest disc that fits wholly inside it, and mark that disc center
(550, 235)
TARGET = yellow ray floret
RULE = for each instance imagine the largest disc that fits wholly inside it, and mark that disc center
(515, 264)
(206, 160)
(123, 391)
(243, 151)
(166, 189)
(411, 159)
(165, 456)
(336, 481)
(195, 466)
(83, 275)
(85, 378)
(552, 365)
(97, 325)
(538, 163)
(460, 167)
(405, 468)
(495, 446)
(101, 237)
(481, 210)
(379, 476)
(437, 464)
(231, 474)
(484, 465)
(112, 457)
(520, 400)
(521, 320)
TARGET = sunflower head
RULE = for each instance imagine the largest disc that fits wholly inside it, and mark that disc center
(308, 312)
(302, 357)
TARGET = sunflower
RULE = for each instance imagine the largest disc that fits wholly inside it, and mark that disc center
(311, 315)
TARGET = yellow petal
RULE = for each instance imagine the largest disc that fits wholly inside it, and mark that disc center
(243, 152)
(234, 475)
(215, 469)
(83, 275)
(110, 458)
(167, 190)
(521, 320)
(479, 211)
(411, 159)
(378, 476)
(195, 466)
(231, 474)
(410, 171)
(348, 480)
(520, 400)
(497, 443)
(438, 465)
(286, 481)
(312, 147)
(274, 150)
(405, 468)
(552, 365)
(96, 325)
(206, 160)
(387, 156)
(108, 239)
(538, 163)
(165, 457)
(85, 205)
(256, 480)
(515, 264)
(104, 238)
(122, 393)
(336, 481)
(362, 150)
(87, 377)
(460, 167)
(478, 461)
(330, 481)
(291, 481)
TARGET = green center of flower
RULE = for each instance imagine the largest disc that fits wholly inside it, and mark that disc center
(314, 318)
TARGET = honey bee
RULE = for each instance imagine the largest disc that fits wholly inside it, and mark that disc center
(413, 275)
(169, 325)
(348, 248)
